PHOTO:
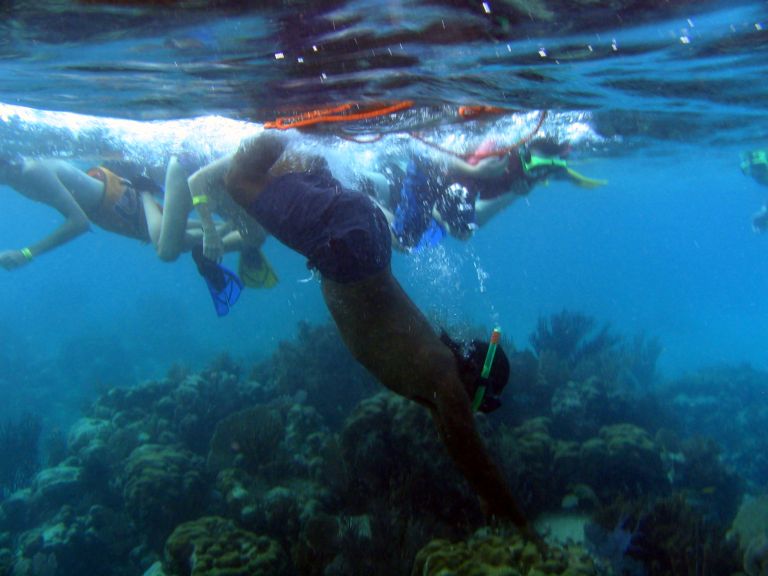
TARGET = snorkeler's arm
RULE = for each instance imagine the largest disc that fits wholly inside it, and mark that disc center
(487, 209)
(41, 183)
(205, 184)
(486, 169)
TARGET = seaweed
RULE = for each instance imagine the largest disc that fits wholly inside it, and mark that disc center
(19, 452)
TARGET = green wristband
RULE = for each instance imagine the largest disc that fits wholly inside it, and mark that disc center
(27, 254)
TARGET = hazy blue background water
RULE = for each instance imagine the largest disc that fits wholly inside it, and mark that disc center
(665, 249)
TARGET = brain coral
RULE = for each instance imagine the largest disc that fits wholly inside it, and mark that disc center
(494, 555)
(214, 546)
(162, 485)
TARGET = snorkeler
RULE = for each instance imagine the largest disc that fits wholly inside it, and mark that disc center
(113, 203)
(346, 238)
(457, 196)
(755, 164)
(98, 197)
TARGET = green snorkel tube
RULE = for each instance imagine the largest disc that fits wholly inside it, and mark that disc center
(532, 163)
(492, 346)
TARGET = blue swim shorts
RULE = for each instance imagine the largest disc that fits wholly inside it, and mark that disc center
(342, 233)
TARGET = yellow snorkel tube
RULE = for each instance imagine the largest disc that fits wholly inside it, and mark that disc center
(535, 162)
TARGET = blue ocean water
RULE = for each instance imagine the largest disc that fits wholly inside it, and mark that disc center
(670, 97)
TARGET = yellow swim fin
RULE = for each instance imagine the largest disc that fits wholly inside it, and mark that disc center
(584, 181)
(255, 270)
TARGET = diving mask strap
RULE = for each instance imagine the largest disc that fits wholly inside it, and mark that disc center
(489, 356)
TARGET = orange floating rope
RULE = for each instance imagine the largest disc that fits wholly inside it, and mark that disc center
(472, 111)
(341, 113)
(334, 114)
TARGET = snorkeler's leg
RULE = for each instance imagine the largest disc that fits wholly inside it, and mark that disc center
(233, 241)
(176, 208)
(154, 217)
(389, 335)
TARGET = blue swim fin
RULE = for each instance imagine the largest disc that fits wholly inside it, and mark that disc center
(223, 284)
(432, 236)
(414, 208)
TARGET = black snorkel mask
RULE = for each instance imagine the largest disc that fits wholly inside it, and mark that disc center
(483, 368)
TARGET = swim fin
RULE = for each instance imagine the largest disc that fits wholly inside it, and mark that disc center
(255, 270)
(432, 236)
(223, 284)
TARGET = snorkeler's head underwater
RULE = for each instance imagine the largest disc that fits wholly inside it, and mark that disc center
(470, 358)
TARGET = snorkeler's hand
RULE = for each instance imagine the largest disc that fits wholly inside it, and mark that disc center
(12, 259)
(760, 220)
(213, 247)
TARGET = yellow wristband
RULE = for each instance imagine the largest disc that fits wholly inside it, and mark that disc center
(27, 254)
(202, 199)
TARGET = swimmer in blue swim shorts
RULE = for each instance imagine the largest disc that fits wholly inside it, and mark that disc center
(345, 237)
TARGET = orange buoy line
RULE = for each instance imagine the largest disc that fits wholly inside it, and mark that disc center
(334, 114)
(473, 111)
(341, 113)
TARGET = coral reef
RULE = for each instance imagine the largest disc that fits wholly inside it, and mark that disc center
(588, 377)
(213, 546)
(162, 486)
(673, 539)
(487, 554)
(330, 378)
(393, 448)
(306, 467)
(622, 460)
(94, 542)
(247, 439)
(726, 403)
(19, 452)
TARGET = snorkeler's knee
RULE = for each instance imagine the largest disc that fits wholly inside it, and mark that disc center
(166, 253)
